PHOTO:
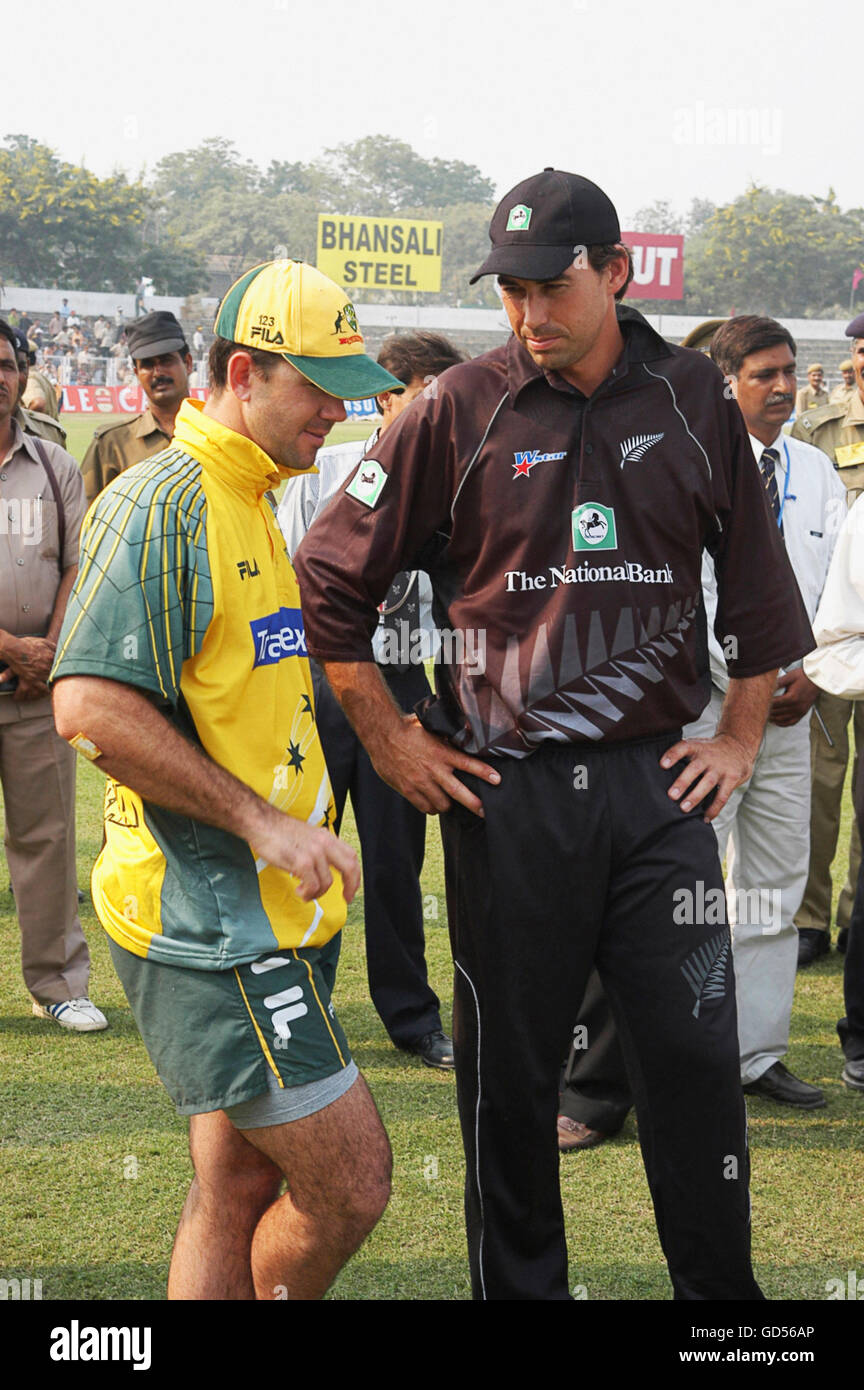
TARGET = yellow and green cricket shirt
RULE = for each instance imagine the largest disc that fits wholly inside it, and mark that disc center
(185, 590)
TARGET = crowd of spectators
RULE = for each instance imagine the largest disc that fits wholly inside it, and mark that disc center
(73, 349)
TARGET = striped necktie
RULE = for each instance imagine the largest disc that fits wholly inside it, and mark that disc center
(767, 465)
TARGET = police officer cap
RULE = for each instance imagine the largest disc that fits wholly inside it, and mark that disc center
(24, 346)
(700, 337)
(855, 329)
(154, 335)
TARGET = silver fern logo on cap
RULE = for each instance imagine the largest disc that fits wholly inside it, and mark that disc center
(637, 446)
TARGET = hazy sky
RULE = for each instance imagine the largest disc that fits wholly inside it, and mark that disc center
(665, 100)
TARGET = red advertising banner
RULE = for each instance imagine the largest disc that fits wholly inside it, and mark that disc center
(130, 400)
(658, 265)
(111, 400)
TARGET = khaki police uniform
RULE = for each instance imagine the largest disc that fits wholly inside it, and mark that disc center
(842, 394)
(37, 768)
(837, 429)
(42, 425)
(117, 447)
(808, 399)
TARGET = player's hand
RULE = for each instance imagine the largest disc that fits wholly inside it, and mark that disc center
(422, 768)
(798, 697)
(28, 689)
(307, 852)
(720, 762)
(29, 657)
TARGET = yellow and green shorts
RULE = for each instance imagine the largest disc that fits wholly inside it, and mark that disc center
(261, 1041)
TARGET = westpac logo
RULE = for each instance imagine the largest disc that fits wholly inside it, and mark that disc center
(278, 635)
(526, 459)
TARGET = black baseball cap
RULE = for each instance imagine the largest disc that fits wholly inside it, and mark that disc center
(154, 335)
(539, 225)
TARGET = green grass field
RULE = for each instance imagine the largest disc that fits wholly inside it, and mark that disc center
(94, 1168)
(80, 428)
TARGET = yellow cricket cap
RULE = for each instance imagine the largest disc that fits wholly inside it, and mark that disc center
(290, 308)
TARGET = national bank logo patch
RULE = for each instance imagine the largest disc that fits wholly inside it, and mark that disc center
(594, 527)
(519, 219)
(278, 635)
(368, 482)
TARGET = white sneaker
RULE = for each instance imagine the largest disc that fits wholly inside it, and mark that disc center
(77, 1014)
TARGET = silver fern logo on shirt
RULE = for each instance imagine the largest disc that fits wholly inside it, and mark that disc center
(634, 449)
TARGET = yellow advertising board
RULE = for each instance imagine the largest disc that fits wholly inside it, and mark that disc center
(392, 253)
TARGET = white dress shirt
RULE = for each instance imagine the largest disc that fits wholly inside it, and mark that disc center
(837, 665)
(305, 498)
(813, 512)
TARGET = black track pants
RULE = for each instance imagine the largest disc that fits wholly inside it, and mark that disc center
(579, 857)
(392, 842)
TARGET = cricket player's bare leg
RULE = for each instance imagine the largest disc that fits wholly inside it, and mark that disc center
(337, 1164)
(233, 1186)
(239, 1240)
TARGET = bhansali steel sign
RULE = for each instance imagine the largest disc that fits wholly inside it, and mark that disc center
(392, 253)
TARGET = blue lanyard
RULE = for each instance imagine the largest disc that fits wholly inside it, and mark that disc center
(786, 492)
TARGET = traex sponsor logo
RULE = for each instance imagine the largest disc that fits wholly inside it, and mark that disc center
(277, 636)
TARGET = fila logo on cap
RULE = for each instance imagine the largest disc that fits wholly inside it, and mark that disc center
(368, 482)
(519, 219)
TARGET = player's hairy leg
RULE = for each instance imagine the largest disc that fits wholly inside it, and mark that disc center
(337, 1164)
(234, 1184)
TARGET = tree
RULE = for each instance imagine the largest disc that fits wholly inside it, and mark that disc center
(60, 224)
(659, 217)
(776, 253)
(380, 176)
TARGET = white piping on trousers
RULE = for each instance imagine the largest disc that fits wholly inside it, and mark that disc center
(464, 972)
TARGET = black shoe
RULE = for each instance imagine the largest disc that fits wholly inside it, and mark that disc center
(778, 1083)
(842, 940)
(853, 1075)
(812, 943)
(434, 1049)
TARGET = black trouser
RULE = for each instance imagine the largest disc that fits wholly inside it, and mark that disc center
(851, 1028)
(392, 843)
(556, 875)
(595, 1087)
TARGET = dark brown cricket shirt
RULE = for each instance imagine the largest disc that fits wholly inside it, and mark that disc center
(564, 540)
